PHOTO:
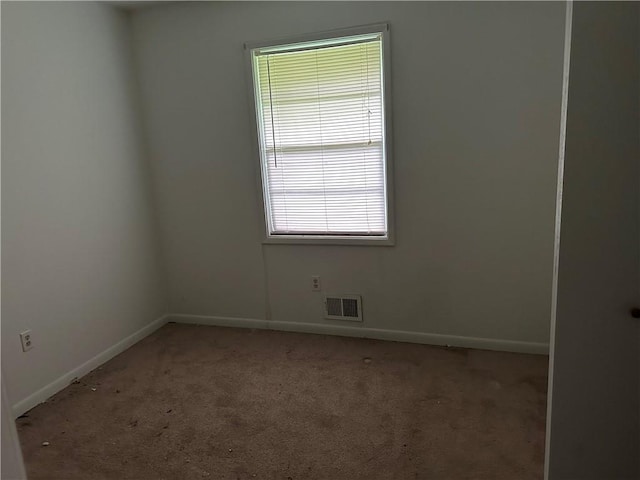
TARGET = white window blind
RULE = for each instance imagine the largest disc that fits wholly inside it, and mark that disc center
(320, 111)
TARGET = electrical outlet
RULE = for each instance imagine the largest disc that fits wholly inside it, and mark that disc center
(26, 340)
(315, 283)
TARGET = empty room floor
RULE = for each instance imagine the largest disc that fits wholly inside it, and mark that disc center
(224, 403)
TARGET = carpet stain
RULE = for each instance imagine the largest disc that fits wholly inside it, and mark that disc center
(488, 403)
(538, 382)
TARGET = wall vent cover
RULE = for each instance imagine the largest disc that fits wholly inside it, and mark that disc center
(343, 307)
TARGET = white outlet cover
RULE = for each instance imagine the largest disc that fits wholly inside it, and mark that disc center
(26, 340)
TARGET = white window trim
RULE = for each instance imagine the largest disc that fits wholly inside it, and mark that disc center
(386, 240)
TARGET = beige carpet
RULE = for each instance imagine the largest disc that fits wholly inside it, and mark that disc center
(222, 403)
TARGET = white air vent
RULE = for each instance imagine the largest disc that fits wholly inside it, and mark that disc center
(343, 307)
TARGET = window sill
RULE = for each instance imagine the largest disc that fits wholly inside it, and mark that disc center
(324, 240)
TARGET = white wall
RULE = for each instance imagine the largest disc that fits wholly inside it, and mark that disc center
(476, 111)
(80, 257)
(594, 425)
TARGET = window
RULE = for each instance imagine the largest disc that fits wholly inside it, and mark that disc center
(323, 136)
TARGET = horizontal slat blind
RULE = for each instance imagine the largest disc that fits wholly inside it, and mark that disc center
(321, 117)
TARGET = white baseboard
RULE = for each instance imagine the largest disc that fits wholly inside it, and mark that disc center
(365, 332)
(54, 387)
(326, 329)
(218, 321)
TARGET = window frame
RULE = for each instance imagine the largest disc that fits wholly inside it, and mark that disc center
(326, 239)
